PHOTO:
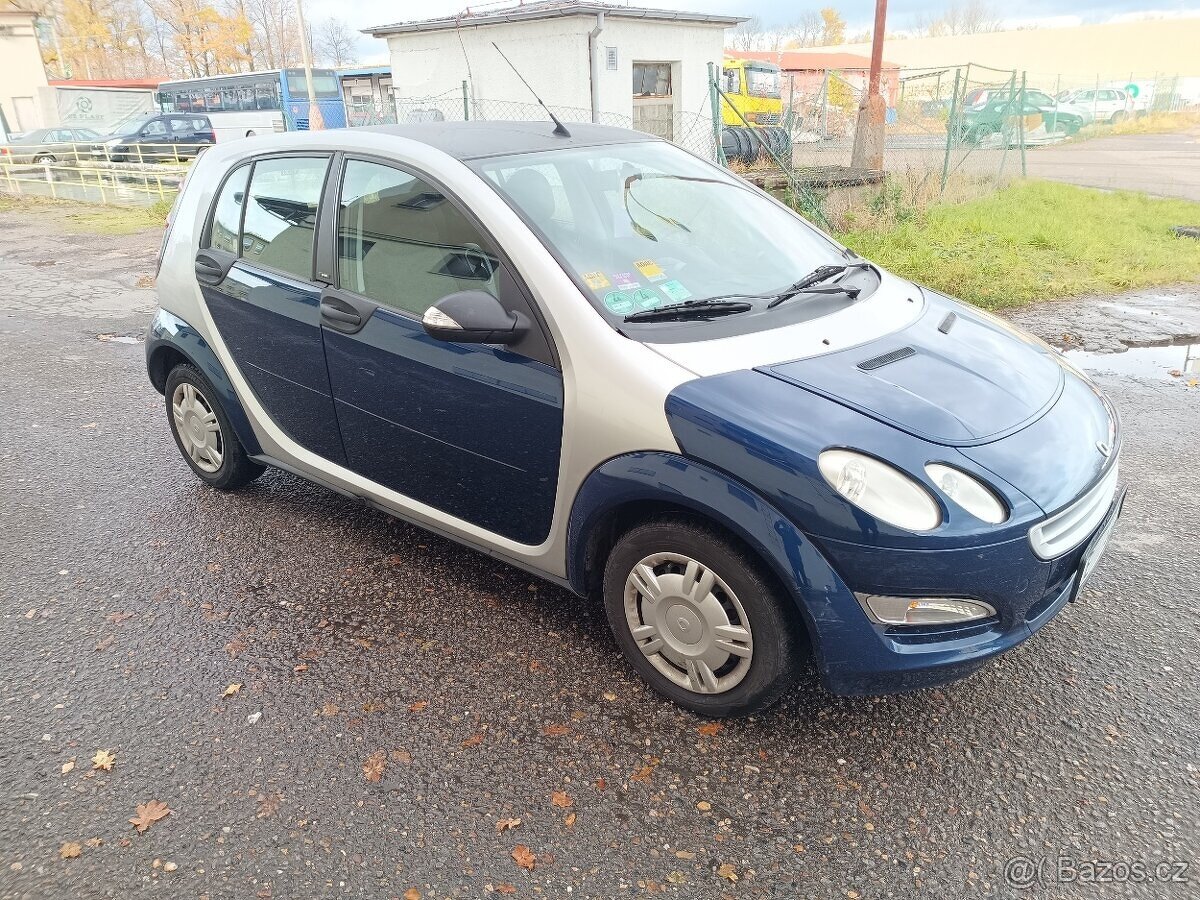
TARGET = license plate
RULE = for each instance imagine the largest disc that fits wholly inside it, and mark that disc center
(1093, 553)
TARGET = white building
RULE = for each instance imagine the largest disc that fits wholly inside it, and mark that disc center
(613, 64)
(21, 71)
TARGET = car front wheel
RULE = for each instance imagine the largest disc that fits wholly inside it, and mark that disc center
(203, 433)
(699, 619)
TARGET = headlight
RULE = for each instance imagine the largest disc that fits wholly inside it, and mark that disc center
(968, 492)
(879, 489)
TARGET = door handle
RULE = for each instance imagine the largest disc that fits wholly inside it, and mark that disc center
(339, 315)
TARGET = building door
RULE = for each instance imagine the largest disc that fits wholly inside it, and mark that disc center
(653, 99)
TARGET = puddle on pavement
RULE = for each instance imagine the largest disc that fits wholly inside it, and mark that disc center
(1142, 362)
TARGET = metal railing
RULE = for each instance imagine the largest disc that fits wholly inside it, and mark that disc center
(136, 175)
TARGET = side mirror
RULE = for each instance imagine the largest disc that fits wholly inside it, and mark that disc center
(473, 317)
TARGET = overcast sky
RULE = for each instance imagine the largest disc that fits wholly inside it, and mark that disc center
(858, 13)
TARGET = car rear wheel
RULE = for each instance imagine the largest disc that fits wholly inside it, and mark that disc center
(699, 619)
(203, 433)
(43, 158)
(1117, 117)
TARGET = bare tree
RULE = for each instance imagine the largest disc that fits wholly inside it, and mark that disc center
(334, 42)
(747, 35)
(962, 17)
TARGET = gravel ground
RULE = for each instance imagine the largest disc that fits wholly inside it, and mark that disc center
(332, 703)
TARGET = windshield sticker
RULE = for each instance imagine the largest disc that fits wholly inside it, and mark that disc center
(676, 291)
(644, 298)
(596, 280)
(618, 302)
(650, 269)
(626, 281)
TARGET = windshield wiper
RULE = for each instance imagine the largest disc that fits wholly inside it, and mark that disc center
(806, 285)
(690, 309)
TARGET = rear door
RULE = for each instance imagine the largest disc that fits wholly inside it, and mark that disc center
(474, 430)
(255, 268)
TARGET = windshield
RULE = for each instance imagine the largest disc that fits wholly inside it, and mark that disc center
(133, 126)
(642, 225)
(762, 82)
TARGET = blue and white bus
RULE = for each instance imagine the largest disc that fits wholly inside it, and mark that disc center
(256, 102)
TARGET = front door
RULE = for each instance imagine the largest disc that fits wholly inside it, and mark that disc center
(473, 430)
(256, 273)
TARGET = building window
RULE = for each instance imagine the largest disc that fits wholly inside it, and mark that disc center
(651, 79)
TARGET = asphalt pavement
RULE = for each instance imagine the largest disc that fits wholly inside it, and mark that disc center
(331, 703)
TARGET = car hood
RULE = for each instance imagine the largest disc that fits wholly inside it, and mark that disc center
(956, 377)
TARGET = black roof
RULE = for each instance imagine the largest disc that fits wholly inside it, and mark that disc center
(475, 140)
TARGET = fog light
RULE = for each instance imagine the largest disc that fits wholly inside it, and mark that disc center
(923, 610)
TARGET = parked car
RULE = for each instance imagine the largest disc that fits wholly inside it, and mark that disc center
(976, 124)
(1106, 105)
(157, 138)
(622, 368)
(46, 145)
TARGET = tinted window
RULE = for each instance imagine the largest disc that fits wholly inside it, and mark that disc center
(228, 214)
(281, 213)
(403, 244)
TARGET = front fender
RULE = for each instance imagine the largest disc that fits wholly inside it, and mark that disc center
(834, 619)
(169, 337)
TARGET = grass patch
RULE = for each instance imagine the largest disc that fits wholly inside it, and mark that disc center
(1038, 240)
(119, 220)
(1150, 123)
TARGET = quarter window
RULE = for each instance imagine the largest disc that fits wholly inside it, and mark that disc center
(155, 128)
(403, 244)
(228, 215)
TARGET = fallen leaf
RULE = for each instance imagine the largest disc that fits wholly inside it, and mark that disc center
(170, 866)
(677, 878)
(609, 696)
(268, 805)
(534, 665)
(524, 857)
(506, 889)
(1174, 373)
(303, 667)
(412, 894)
(70, 850)
(374, 706)
(562, 800)
(118, 617)
(569, 821)
(727, 871)
(374, 765)
(503, 825)
(474, 740)
(1192, 382)
(685, 854)
(710, 729)
(601, 784)
(704, 806)
(418, 706)
(643, 774)
(330, 709)
(148, 813)
(103, 760)
(232, 689)
(68, 765)
(401, 756)
(556, 730)
(104, 643)
(234, 647)
(93, 842)
(89, 425)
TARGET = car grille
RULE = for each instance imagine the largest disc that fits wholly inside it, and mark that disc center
(1066, 530)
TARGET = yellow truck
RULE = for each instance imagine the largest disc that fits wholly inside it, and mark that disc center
(752, 110)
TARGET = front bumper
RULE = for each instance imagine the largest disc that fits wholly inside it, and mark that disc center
(862, 657)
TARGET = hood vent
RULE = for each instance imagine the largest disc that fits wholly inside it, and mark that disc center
(878, 362)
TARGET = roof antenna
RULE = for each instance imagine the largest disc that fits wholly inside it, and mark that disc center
(559, 128)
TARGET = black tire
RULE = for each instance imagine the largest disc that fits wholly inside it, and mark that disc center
(1117, 118)
(44, 158)
(770, 615)
(236, 468)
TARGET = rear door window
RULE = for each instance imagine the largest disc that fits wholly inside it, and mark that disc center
(281, 213)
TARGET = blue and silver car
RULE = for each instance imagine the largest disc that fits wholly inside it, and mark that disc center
(603, 360)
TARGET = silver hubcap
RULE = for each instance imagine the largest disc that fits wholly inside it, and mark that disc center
(197, 426)
(688, 623)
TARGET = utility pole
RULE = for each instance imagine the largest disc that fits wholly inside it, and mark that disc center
(315, 122)
(872, 111)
